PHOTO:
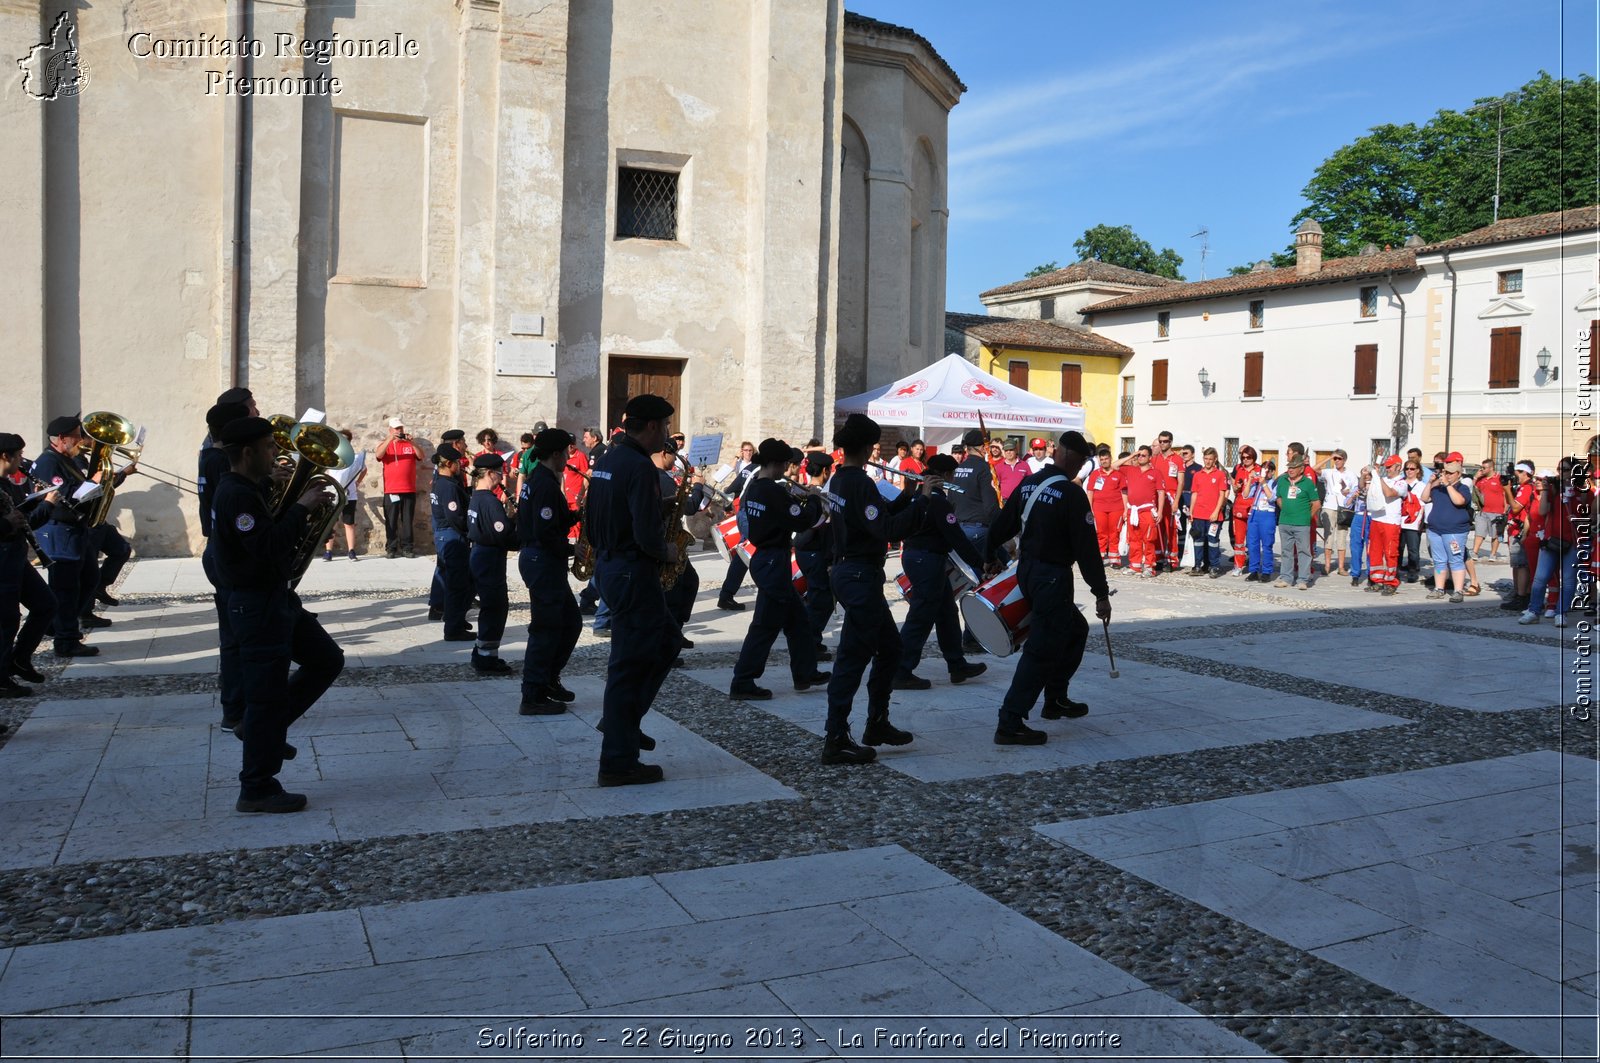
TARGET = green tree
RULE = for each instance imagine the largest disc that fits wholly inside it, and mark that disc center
(1119, 245)
(1437, 180)
(1043, 268)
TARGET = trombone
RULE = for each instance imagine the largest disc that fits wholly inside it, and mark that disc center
(178, 481)
(914, 477)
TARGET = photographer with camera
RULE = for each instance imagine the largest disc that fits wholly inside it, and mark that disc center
(1449, 526)
(399, 456)
(1565, 504)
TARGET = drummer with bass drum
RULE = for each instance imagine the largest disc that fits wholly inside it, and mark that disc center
(1049, 513)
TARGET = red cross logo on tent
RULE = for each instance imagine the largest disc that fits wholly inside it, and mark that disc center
(916, 387)
(977, 389)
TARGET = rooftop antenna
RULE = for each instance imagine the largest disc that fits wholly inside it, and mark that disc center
(1205, 247)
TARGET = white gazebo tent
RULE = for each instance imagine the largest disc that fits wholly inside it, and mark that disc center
(944, 400)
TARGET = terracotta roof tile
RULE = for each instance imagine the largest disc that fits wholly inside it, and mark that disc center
(853, 21)
(1087, 270)
(1578, 219)
(1402, 260)
(1031, 332)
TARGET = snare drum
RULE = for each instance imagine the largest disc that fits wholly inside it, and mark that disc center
(997, 614)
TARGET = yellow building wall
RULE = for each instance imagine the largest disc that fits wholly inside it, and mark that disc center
(1541, 440)
(1101, 375)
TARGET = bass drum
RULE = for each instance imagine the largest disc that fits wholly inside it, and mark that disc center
(997, 614)
(962, 579)
(728, 538)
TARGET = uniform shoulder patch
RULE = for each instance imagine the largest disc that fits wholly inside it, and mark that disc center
(949, 518)
(452, 507)
(1088, 518)
(794, 510)
(547, 513)
(244, 522)
(872, 512)
(499, 525)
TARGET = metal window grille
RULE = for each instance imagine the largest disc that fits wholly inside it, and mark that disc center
(1126, 445)
(1380, 447)
(1369, 302)
(1127, 409)
(647, 204)
(1258, 313)
(1163, 324)
(1230, 450)
(1505, 448)
(1510, 281)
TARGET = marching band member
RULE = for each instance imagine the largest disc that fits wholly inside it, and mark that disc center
(1050, 514)
(768, 518)
(976, 505)
(544, 517)
(863, 524)
(744, 469)
(20, 583)
(628, 535)
(680, 596)
(492, 536)
(813, 552)
(1105, 497)
(74, 573)
(451, 594)
(214, 465)
(933, 604)
(254, 557)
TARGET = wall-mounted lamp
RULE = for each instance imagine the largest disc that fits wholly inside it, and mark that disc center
(1206, 386)
(1543, 358)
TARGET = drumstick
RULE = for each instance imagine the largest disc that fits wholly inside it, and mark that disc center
(1113, 657)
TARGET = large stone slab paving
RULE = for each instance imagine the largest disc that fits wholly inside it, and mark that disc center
(107, 778)
(1485, 674)
(844, 942)
(1446, 884)
(1148, 711)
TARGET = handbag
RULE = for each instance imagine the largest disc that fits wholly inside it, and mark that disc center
(1347, 518)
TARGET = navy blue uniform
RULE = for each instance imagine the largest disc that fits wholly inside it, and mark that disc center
(813, 552)
(626, 529)
(863, 524)
(75, 571)
(924, 557)
(493, 537)
(736, 563)
(213, 466)
(253, 556)
(1059, 533)
(21, 586)
(543, 521)
(771, 517)
(452, 578)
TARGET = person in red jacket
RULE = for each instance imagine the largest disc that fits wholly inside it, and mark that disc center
(399, 456)
(1243, 476)
(1170, 473)
(1106, 504)
(1141, 495)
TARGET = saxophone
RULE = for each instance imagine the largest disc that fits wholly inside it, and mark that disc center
(583, 549)
(675, 532)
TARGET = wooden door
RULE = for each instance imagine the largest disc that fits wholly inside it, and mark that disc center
(628, 377)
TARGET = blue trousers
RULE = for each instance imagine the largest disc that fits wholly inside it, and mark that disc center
(274, 630)
(1260, 538)
(21, 587)
(778, 608)
(734, 579)
(644, 642)
(869, 636)
(230, 673)
(933, 608)
(1360, 534)
(1056, 640)
(819, 589)
(489, 573)
(1207, 543)
(452, 580)
(555, 623)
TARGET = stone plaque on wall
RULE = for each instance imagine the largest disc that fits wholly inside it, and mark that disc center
(524, 358)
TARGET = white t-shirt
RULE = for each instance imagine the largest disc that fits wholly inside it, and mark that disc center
(1035, 464)
(1386, 510)
(346, 478)
(1336, 485)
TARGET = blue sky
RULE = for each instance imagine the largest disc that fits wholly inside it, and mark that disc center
(1173, 116)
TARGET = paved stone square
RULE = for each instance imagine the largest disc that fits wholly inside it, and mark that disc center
(1274, 835)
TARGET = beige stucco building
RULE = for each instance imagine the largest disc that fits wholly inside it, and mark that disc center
(466, 213)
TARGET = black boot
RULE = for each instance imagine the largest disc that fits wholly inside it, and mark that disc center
(880, 732)
(26, 671)
(842, 749)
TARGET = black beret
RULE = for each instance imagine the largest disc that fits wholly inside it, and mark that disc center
(224, 412)
(239, 395)
(817, 461)
(454, 435)
(63, 426)
(11, 443)
(941, 465)
(446, 454)
(243, 430)
(972, 437)
(796, 455)
(550, 440)
(772, 451)
(858, 431)
(489, 461)
(1075, 442)
(647, 408)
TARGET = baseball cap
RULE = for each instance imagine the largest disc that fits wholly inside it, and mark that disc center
(1525, 466)
(1452, 466)
(1037, 444)
(395, 422)
(1455, 456)
(1392, 460)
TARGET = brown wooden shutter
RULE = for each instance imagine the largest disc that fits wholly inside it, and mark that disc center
(1019, 375)
(1158, 380)
(1252, 374)
(1072, 383)
(1505, 357)
(1366, 369)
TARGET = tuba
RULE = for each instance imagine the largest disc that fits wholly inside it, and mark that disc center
(675, 532)
(314, 450)
(583, 549)
(110, 437)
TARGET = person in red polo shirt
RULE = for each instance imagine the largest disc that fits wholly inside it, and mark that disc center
(1169, 467)
(1208, 506)
(1010, 470)
(1106, 504)
(399, 457)
(1141, 495)
(1489, 496)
